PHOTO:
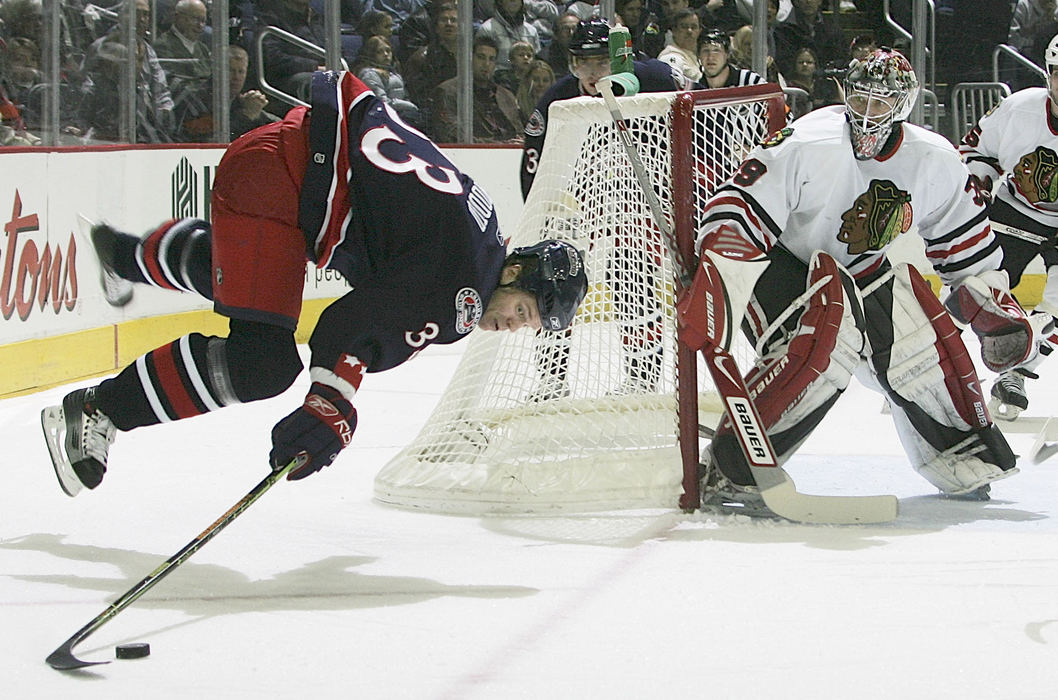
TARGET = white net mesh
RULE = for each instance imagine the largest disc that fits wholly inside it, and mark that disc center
(586, 419)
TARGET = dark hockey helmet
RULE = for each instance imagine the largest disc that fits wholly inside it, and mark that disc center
(590, 38)
(715, 36)
(557, 280)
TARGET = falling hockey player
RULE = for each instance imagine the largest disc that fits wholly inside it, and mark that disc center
(824, 198)
(348, 185)
(1019, 137)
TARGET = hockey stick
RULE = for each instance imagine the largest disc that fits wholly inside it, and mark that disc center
(777, 490)
(1044, 447)
(62, 659)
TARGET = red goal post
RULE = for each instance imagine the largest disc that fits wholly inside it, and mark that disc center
(688, 192)
(604, 416)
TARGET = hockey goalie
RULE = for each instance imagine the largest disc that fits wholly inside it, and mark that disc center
(821, 201)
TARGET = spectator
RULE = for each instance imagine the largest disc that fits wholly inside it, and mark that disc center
(375, 69)
(539, 13)
(286, 66)
(717, 71)
(642, 24)
(862, 46)
(557, 52)
(21, 79)
(1032, 25)
(531, 90)
(496, 118)
(415, 31)
(741, 53)
(398, 10)
(821, 89)
(25, 19)
(103, 91)
(807, 26)
(12, 129)
(661, 36)
(434, 63)
(376, 23)
(682, 51)
(181, 51)
(247, 110)
(521, 57)
(508, 25)
(721, 14)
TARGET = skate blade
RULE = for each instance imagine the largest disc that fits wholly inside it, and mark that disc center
(53, 422)
(1002, 411)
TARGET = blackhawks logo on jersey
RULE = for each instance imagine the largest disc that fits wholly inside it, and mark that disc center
(1035, 176)
(777, 137)
(878, 216)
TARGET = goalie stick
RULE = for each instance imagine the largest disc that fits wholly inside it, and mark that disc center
(63, 659)
(777, 490)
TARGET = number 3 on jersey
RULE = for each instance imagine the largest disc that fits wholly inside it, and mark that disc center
(417, 339)
(429, 173)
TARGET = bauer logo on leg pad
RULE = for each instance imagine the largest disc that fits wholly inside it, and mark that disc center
(749, 431)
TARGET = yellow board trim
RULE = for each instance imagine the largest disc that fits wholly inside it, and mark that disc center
(34, 365)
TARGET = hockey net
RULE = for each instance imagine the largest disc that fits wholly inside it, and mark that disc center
(587, 419)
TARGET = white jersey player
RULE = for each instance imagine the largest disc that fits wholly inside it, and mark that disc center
(825, 198)
(1016, 144)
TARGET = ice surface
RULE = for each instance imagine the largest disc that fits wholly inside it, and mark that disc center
(318, 592)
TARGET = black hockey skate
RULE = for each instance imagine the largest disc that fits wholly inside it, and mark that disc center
(1008, 395)
(720, 495)
(116, 290)
(78, 436)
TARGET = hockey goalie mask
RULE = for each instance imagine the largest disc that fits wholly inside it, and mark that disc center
(880, 91)
(1050, 60)
(557, 281)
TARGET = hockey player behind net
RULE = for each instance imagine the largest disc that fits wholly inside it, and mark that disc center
(1018, 142)
(632, 260)
(824, 198)
(352, 187)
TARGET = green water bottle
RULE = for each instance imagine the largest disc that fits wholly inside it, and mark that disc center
(620, 50)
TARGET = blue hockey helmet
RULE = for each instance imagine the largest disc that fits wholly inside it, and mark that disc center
(557, 281)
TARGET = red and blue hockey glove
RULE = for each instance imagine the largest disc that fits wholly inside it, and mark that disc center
(319, 429)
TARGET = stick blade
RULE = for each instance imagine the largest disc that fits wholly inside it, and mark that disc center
(785, 501)
(1044, 448)
(62, 659)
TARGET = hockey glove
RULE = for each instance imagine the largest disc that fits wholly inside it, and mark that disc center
(985, 303)
(319, 429)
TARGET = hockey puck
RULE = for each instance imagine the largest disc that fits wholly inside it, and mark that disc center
(133, 651)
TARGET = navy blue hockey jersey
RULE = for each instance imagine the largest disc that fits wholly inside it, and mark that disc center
(417, 240)
(653, 76)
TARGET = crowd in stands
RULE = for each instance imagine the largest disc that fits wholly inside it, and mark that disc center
(405, 50)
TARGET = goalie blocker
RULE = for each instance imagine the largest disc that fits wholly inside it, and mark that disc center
(813, 326)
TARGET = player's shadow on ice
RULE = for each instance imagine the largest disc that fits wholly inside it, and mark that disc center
(208, 590)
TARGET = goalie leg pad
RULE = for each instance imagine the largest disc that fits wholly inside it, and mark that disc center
(797, 382)
(918, 359)
(979, 458)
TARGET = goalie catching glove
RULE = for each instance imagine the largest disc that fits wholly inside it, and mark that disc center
(984, 302)
(319, 430)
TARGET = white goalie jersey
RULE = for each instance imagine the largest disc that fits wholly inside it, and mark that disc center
(1019, 138)
(803, 190)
